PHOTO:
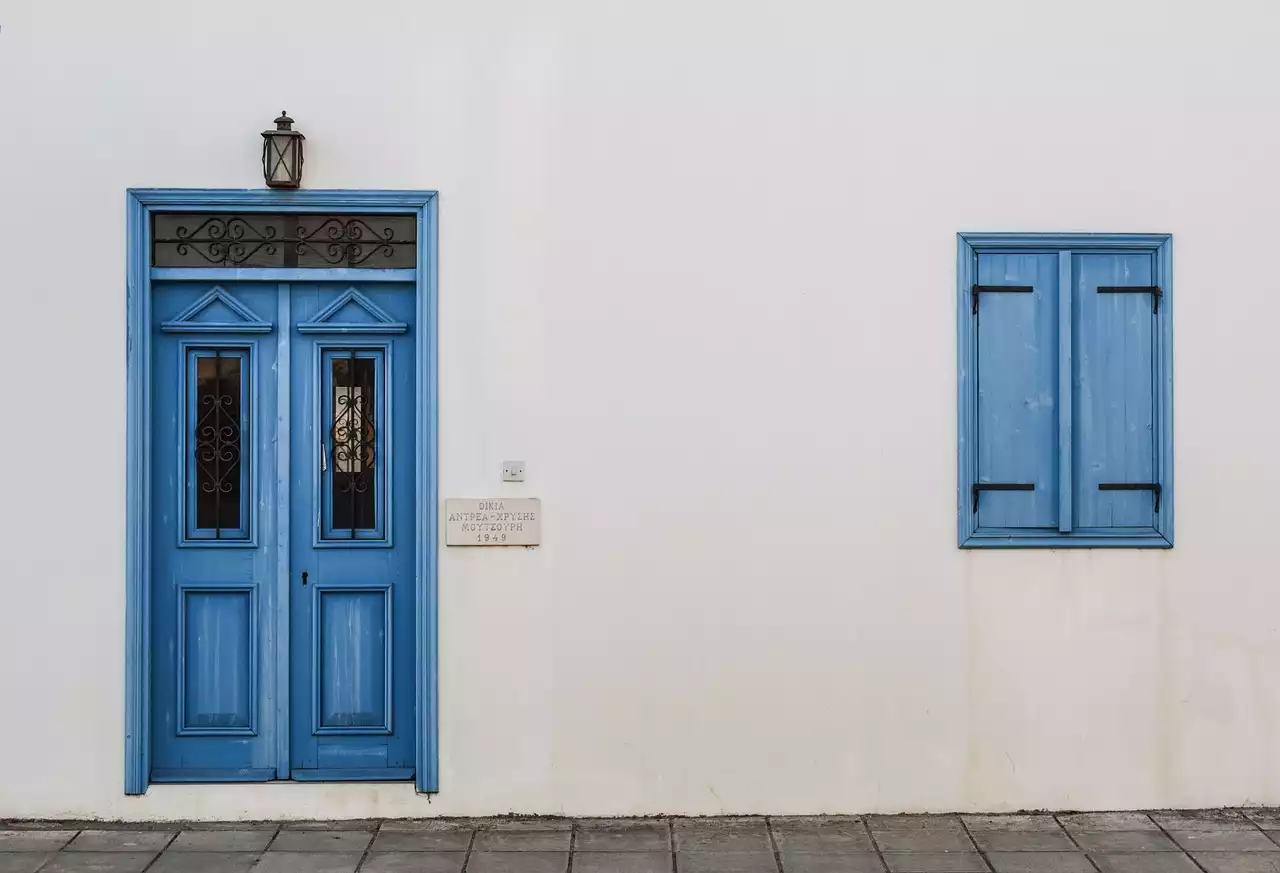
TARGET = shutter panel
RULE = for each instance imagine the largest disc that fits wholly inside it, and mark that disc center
(1017, 416)
(1114, 413)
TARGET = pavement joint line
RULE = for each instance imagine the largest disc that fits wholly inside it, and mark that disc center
(153, 861)
(671, 842)
(466, 859)
(271, 842)
(1070, 836)
(964, 825)
(1192, 858)
(875, 844)
(573, 842)
(369, 846)
(773, 841)
(52, 855)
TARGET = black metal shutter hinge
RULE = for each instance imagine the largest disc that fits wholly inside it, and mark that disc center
(979, 487)
(992, 289)
(1153, 290)
(1153, 487)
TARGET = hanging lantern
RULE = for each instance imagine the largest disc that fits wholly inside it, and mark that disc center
(282, 154)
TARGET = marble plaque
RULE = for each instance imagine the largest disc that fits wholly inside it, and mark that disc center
(493, 521)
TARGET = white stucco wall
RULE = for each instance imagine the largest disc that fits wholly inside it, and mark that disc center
(697, 270)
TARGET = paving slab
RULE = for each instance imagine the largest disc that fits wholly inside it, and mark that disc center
(1239, 862)
(701, 861)
(621, 862)
(1145, 862)
(345, 824)
(1224, 841)
(429, 824)
(1107, 821)
(1024, 841)
(98, 862)
(623, 835)
(120, 841)
(1043, 822)
(272, 826)
(1266, 818)
(920, 833)
(22, 862)
(413, 862)
(1203, 820)
(517, 862)
(1125, 841)
(539, 823)
(1040, 862)
(204, 862)
(314, 840)
(222, 841)
(722, 835)
(935, 862)
(308, 862)
(519, 840)
(422, 841)
(832, 862)
(34, 841)
(822, 834)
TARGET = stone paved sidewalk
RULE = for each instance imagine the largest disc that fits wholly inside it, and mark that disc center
(1217, 841)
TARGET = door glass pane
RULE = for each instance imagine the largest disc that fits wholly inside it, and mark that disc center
(216, 472)
(353, 443)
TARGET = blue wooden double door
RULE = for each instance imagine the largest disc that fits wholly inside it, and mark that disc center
(282, 513)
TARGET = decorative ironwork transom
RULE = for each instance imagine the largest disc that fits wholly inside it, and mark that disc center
(257, 239)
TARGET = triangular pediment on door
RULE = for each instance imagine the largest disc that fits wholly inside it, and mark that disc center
(352, 312)
(217, 312)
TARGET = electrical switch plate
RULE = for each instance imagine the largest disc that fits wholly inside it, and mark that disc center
(513, 471)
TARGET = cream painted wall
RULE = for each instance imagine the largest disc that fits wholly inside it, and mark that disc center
(697, 270)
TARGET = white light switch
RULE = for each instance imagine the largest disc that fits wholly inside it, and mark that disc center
(513, 471)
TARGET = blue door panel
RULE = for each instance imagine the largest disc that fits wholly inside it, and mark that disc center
(216, 565)
(353, 474)
(211, 550)
(216, 651)
(1114, 403)
(1018, 389)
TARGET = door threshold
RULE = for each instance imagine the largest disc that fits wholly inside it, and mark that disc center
(268, 774)
(354, 774)
(246, 774)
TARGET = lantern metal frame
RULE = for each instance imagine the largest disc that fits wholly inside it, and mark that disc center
(282, 147)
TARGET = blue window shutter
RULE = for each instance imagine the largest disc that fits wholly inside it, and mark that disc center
(1017, 378)
(1115, 382)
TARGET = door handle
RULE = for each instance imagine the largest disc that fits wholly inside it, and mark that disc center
(304, 577)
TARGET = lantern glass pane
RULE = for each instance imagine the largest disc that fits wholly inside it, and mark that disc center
(284, 149)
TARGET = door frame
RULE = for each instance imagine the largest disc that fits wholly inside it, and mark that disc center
(141, 204)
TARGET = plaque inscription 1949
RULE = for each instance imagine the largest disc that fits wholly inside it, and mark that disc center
(493, 521)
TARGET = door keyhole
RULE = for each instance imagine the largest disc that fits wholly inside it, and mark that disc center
(304, 577)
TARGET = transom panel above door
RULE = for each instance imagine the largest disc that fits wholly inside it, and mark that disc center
(289, 453)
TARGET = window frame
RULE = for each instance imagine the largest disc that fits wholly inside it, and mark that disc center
(969, 246)
(190, 535)
(327, 536)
